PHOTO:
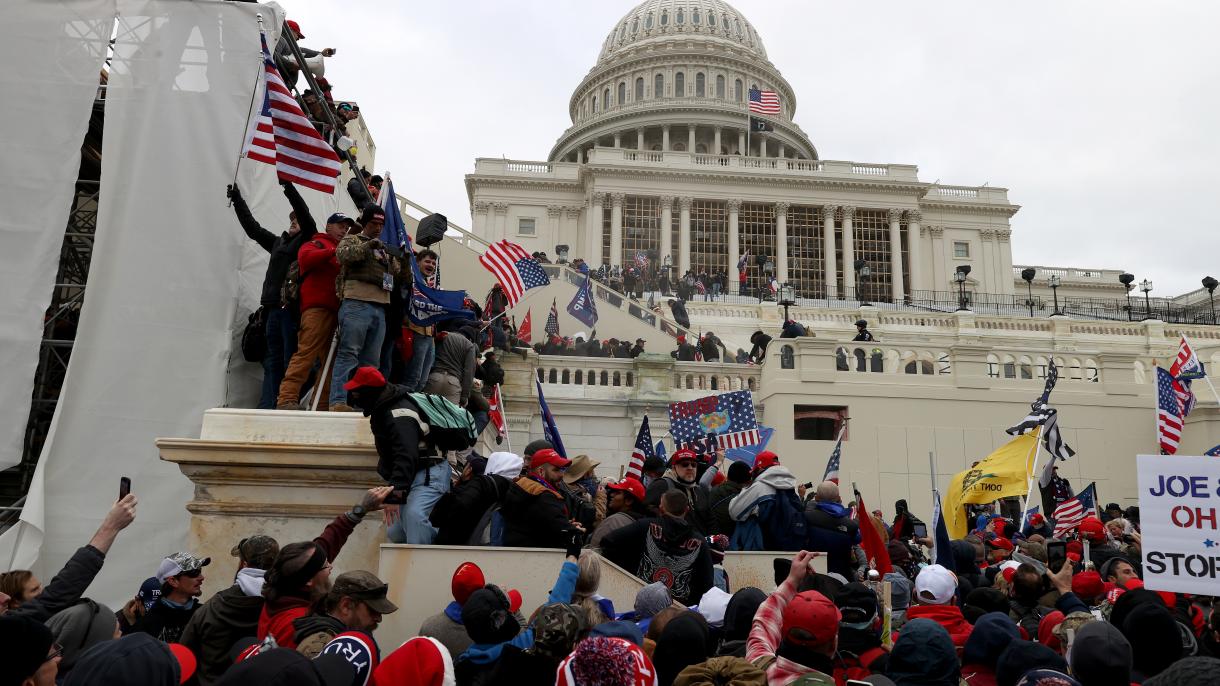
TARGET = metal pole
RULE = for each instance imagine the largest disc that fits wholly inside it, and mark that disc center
(1029, 481)
(1055, 292)
(320, 384)
(1129, 316)
(1029, 289)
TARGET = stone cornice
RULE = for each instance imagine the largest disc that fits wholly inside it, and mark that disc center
(969, 207)
(759, 177)
(550, 184)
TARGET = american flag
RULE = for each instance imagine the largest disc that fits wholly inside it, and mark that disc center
(641, 260)
(764, 102)
(516, 271)
(552, 320)
(1071, 512)
(1168, 413)
(832, 465)
(642, 450)
(282, 135)
(730, 416)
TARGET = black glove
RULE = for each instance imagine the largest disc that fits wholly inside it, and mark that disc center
(575, 543)
(232, 193)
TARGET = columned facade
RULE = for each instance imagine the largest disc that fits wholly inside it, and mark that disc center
(684, 234)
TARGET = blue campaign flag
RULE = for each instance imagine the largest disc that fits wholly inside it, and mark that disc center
(748, 453)
(549, 431)
(428, 305)
(394, 231)
(660, 451)
(583, 306)
(1214, 452)
(942, 550)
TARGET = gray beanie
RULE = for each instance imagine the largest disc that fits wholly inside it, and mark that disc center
(652, 599)
(81, 627)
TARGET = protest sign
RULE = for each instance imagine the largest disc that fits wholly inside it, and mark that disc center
(1179, 498)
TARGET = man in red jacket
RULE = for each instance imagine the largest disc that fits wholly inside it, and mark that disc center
(319, 311)
(936, 595)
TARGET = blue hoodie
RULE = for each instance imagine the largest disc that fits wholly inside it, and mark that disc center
(487, 653)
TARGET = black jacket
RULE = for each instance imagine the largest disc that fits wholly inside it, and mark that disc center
(394, 421)
(710, 347)
(165, 622)
(210, 634)
(759, 351)
(535, 516)
(684, 353)
(492, 372)
(700, 515)
(67, 587)
(678, 308)
(664, 549)
(459, 511)
(833, 535)
(720, 498)
(283, 248)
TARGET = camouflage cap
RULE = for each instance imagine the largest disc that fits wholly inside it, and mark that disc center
(180, 563)
(1073, 621)
(365, 587)
(257, 551)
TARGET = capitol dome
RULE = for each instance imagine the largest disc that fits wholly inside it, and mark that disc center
(674, 75)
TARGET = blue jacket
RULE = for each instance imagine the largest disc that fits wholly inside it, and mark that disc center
(487, 653)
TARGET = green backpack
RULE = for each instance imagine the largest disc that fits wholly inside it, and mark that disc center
(449, 427)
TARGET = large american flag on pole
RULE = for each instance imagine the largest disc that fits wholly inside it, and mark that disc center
(1168, 413)
(1072, 512)
(729, 416)
(643, 449)
(516, 271)
(281, 135)
(832, 464)
(764, 102)
(552, 320)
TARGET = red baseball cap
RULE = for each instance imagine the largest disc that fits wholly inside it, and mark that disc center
(1092, 529)
(365, 376)
(683, 455)
(514, 599)
(296, 28)
(1036, 519)
(1088, 584)
(765, 459)
(1075, 547)
(1001, 542)
(810, 619)
(548, 456)
(629, 485)
(186, 661)
(467, 579)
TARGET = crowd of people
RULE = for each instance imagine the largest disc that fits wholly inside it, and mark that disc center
(1003, 606)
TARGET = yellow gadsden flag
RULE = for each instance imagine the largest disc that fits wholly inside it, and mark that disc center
(1002, 474)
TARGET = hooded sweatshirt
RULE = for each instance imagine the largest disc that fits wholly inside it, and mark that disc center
(79, 628)
(134, 659)
(684, 642)
(1101, 655)
(745, 504)
(738, 618)
(991, 635)
(923, 655)
(228, 616)
(948, 616)
(666, 549)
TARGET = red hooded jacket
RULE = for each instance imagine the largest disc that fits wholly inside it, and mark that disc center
(948, 616)
(319, 270)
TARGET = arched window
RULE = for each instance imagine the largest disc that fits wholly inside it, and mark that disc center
(719, 82)
(681, 17)
(635, 26)
(737, 90)
(648, 21)
(664, 17)
(787, 357)
(606, 99)
(620, 32)
(658, 86)
(711, 18)
(639, 88)
(700, 89)
(679, 85)
(593, 100)
(622, 93)
(695, 17)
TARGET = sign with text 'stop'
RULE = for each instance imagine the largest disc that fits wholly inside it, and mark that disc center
(1179, 509)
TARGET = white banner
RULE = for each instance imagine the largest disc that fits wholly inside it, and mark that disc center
(1179, 503)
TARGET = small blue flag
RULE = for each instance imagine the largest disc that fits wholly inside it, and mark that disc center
(660, 451)
(394, 231)
(428, 305)
(549, 431)
(1214, 452)
(582, 306)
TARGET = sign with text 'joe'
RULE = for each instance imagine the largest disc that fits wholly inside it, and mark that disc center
(1179, 509)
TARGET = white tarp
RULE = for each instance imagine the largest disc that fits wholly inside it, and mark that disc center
(172, 280)
(1179, 508)
(53, 52)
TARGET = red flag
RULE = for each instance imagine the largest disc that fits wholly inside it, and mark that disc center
(523, 333)
(496, 413)
(872, 540)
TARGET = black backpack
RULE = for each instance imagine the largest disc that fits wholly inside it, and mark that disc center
(254, 338)
(783, 523)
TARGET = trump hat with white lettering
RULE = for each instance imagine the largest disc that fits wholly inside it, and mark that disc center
(935, 585)
(358, 650)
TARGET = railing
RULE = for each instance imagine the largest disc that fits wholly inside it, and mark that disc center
(874, 358)
(585, 371)
(619, 301)
(603, 372)
(871, 169)
(956, 191)
(708, 376)
(1069, 272)
(528, 167)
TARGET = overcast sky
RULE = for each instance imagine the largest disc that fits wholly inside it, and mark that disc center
(1099, 117)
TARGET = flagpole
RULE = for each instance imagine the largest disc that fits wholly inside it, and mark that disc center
(1029, 481)
(245, 134)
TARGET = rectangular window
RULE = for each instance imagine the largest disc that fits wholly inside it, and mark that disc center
(526, 226)
(818, 422)
(709, 236)
(805, 260)
(961, 249)
(872, 234)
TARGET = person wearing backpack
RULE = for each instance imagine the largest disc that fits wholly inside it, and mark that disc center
(410, 434)
(483, 484)
(772, 500)
(831, 529)
(280, 321)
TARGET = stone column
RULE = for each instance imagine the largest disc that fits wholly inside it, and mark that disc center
(780, 152)
(684, 234)
(553, 214)
(940, 277)
(690, 138)
(667, 224)
(618, 139)
(716, 142)
(639, 139)
(831, 270)
(762, 146)
(849, 253)
(781, 242)
(616, 228)
(570, 228)
(897, 289)
(734, 205)
(665, 138)
(501, 209)
(480, 220)
(915, 241)
(593, 231)
(741, 143)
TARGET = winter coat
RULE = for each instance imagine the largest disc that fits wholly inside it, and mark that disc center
(700, 515)
(710, 346)
(832, 531)
(282, 248)
(948, 616)
(615, 522)
(923, 655)
(447, 628)
(738, 618)
(456, 355)
(991, 635)
(678, 309)
(134, 659)
(684, 353)
(759, 351)
(312, 632)
(776, 478)
(166, 622)
(395, 420)
(66, 587)
(459, 511)
(535, 516)
(319, 270)
(364, 265)
(765, 637)
(720, 498)
(665, 549)
(227, 616)
(278, 615)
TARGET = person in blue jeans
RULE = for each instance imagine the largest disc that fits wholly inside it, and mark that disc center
(366, 280)
(423, 345)
(432, 480)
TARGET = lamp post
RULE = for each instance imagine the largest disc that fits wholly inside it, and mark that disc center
(1210, 284)
(960, 277)
(1028, 274)
(865, 272)
(561, 253)
(1146, 287)
(787, 298)
(1053, 282)
(1126, 280)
